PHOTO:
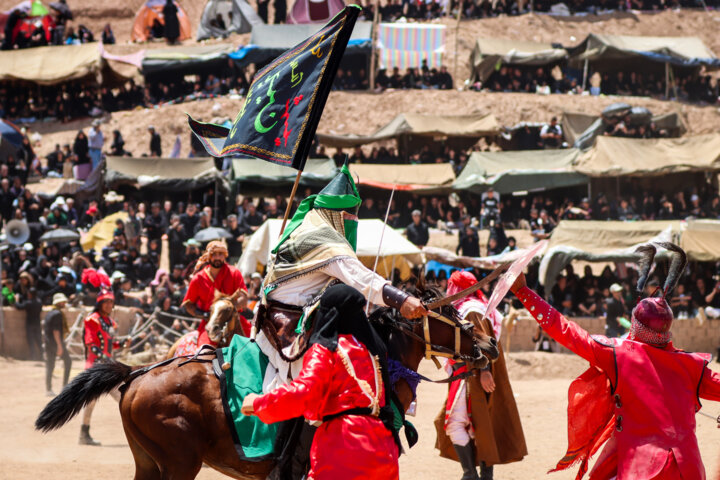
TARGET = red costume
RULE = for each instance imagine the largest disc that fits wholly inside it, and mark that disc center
(345, 446)
(201, 292)
(642, 398)
(98, 338)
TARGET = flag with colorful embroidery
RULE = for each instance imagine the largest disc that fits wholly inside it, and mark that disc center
(283, 106)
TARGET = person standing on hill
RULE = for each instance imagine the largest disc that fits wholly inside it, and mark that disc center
(172, 24)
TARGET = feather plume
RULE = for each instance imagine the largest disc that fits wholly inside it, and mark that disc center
(678, 262)
(647, 255)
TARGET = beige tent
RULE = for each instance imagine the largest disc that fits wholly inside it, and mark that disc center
(575, 123)
(170, 174)
(435, 177)
(56, 64)
(419, 125)
(489, 53)
(601, 236)
(615, 156)
(701, 240)
(101, 234)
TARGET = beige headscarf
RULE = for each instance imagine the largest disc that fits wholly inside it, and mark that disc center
(216, 246)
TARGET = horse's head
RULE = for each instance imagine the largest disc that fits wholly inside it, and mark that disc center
(223, 317)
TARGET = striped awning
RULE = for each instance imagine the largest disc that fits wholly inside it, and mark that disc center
(407, 45)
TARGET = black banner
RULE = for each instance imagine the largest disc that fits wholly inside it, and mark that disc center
(285, 101)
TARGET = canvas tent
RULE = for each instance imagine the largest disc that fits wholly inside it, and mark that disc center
(185, 60)
(57, 64)
(397, 251)
(412, 130)
(699, 239)
(575, 125)
(617, 156)
(269, 41)
(429, 178)
(314, 11)
(166, 174)
(220, 18)
(151, 11)
(253, 176)
(490, 53)
(625, 52)
(521, 170)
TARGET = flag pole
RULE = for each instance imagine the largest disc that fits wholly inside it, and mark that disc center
(290, 203)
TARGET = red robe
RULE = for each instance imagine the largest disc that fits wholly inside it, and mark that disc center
(650, 417)
(349, 446)
(99, 343)
(201, 291)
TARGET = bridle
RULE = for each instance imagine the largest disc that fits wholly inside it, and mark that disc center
(225, 329)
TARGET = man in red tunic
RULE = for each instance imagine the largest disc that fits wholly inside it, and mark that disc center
(211, 274)
(99, 340)
(344, 383)
(640, 394)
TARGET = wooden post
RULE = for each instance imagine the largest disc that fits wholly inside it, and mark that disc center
(290, 202)
(585, 73)
(457, 40)
(373, 41)
(667, 80)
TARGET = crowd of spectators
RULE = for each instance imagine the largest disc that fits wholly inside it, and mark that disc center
(422, 78)
(693, 87)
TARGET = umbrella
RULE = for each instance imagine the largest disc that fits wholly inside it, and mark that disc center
(60, 235)
(63, 9)
(10, 140)
(212, 233)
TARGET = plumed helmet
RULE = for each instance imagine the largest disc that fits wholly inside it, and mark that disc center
(105, 294)
(653, 317)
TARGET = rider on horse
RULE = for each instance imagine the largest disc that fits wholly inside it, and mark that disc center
(211, 274)
(640, 394)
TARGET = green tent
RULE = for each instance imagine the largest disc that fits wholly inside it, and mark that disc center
(253, 176)
(520, 170)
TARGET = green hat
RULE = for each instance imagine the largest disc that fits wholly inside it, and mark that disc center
(340, 194)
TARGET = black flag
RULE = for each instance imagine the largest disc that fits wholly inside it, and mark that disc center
(283, 106)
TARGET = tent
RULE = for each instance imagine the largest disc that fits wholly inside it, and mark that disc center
(220, 18)
(269, 41)
(100, 235)
(521, 170)
(575, 124)
(700, 240)
(600, 241)
(253, 176)
(152, 11)
(166, 174)
(185, 60)
(430, 178)
(617, 156)
(625, 52)
(10, 140)
(57, 64)
(314, 11)
(490, 53)
(397, 251)
(407, 45)
(412, 130)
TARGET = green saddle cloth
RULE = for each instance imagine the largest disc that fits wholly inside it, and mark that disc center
(254, 440)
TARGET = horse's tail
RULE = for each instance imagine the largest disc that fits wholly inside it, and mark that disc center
(85, 388)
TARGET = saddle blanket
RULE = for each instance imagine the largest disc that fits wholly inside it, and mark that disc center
(254, 440)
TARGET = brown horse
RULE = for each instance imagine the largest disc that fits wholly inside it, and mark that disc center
(173, 415)
(223, 323)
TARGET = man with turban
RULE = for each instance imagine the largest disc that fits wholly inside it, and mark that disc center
(212, 274)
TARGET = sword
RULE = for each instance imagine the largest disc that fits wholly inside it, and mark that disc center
(470, 290)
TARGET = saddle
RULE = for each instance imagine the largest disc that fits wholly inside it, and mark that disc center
(279, 322)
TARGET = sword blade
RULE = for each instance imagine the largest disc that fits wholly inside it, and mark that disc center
(470, 290)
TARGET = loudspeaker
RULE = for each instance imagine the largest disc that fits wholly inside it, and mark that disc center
(17, 232)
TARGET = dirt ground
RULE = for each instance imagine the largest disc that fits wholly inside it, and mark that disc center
(540, 384)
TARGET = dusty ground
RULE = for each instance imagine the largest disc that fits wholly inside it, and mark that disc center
(540, 383)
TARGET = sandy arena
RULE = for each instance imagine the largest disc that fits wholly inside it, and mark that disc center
(540, 384)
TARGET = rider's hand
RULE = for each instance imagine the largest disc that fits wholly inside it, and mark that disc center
(487, 382)
(519, 283)
(247, 405)
(412, 307)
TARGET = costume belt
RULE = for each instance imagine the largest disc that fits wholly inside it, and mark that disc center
(351, 411)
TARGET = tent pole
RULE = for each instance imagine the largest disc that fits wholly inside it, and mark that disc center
(672, 81)
(667, 80)
(585, 72)
(457, 40)
(617, 188)
(290, 202)
(216, 201)
(373, 40)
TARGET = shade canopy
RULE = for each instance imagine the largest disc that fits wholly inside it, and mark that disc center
(396, 249)
(521, 170)
(490, 53)
(220, 18)
(429, 178)
(617, 156)
(168, 174)
(185, 60)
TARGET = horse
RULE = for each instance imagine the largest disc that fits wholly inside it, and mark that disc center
(173, 414)
(223, 323)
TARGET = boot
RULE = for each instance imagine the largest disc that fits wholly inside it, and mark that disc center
(486, 472)
(85, 438)
(466, 454)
